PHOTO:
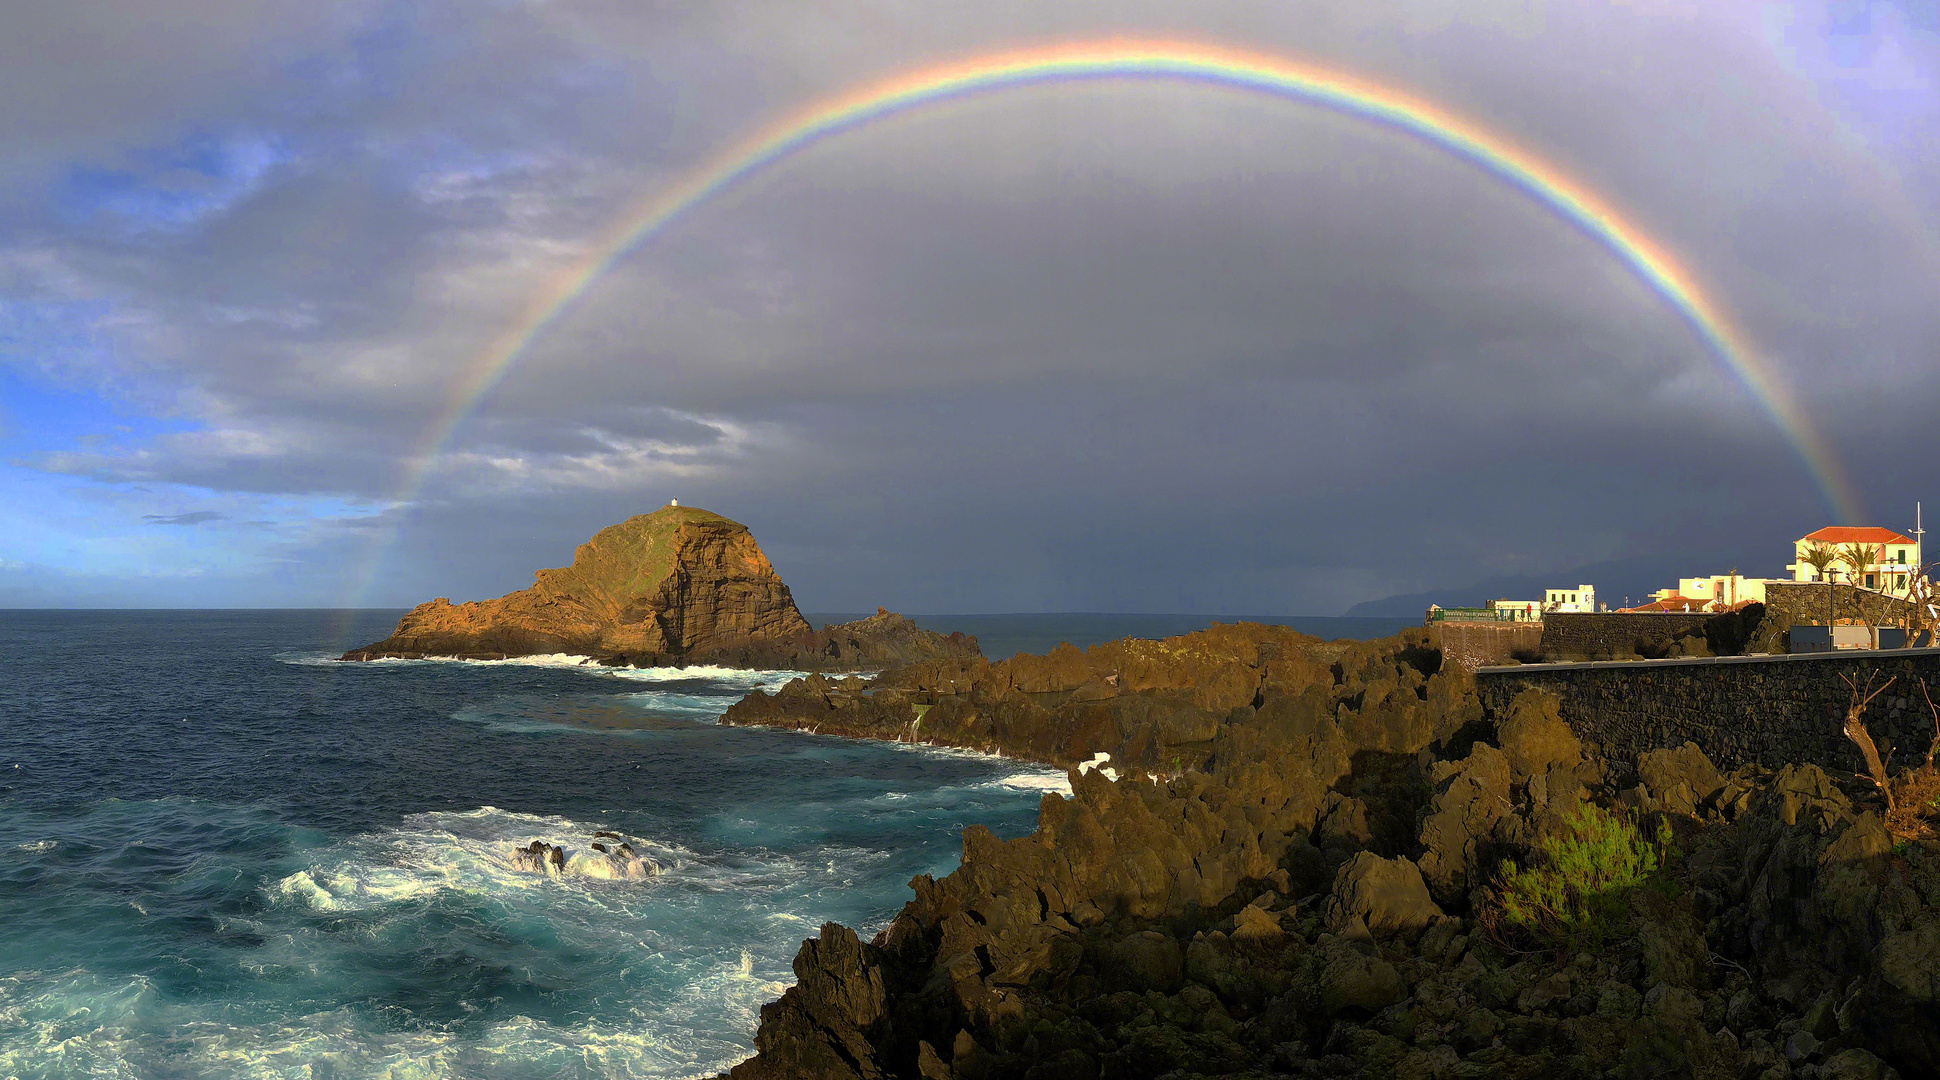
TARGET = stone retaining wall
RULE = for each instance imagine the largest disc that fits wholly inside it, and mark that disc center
(1789, 603)
(1478, 644)
(1739, 709)
(1589, 634)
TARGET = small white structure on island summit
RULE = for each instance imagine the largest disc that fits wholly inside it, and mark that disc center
(673, 502)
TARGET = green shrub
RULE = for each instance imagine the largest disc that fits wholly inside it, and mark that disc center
(1572, 894)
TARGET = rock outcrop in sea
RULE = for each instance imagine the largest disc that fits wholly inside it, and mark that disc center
(677, 586)
(1314, 887)
(609, 855)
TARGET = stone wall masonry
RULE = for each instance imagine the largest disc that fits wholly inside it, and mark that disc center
(1473, 645)
(1590, 634)
(1770, 710)
(1791, 603)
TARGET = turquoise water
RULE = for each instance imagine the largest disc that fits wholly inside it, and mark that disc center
(223, 854)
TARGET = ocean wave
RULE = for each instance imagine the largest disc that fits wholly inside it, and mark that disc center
(747, 677)
(1024, 776)
(1046, 780)
(466, 852)
(697, 672)
(668, 702)
(552, 660)
(80, 1024)
(676, 968)
(631, 713)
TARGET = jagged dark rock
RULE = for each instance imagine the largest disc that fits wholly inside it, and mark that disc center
(1220, 921)
(1160, 706)
(1381, 898)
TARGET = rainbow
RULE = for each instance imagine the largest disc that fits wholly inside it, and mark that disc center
(1190, 63)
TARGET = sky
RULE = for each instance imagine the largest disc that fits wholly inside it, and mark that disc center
(1092, 345)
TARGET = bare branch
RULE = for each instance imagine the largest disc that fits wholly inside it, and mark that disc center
(1855, 729)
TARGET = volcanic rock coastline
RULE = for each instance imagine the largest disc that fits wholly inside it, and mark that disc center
(678, 586)
(1301, 873)
(1158, 705)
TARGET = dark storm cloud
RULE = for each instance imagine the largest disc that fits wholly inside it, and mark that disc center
(1136, 346)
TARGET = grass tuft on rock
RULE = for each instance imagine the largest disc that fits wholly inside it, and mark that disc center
(1572, 893)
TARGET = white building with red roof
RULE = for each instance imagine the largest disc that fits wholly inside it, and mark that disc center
(1718, 592)
(1895, 557)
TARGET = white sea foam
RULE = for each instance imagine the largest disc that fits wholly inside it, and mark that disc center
(697, 1026)
(466, 852)
(76, 1024)
(613, 865)
(748, 677)
(565, 660)
(552, 660)
(1035, 781)
(941, 751)
(667, 702)
(304, 888)
(36, 846)
(1101, 762)
(1025, 776)
(621, 714)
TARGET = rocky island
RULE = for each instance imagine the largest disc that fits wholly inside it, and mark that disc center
(1332, 860)
(678, 586)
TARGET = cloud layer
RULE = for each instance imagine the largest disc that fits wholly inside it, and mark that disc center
(1098, 346)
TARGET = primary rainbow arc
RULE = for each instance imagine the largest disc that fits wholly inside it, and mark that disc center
(1192, 63)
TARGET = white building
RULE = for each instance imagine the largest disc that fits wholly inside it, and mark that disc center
(1580, 598)
(1894, 558)
(1723, 590)
(1517, 610)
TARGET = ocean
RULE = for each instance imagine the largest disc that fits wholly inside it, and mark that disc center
(225, 854)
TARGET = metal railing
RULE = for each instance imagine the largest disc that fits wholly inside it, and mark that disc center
(1476, 614)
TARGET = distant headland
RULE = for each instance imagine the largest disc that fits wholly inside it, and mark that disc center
(678, 586)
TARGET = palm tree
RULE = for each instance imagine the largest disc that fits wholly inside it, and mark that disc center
(1862, 557)
(1820, 556)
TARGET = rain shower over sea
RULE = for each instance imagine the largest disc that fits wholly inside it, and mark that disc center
(224, 854)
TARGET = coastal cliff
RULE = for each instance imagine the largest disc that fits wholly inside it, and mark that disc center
(1157, 705)
(1320, 886)
(680, 585)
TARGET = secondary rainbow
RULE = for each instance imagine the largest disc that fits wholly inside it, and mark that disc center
(1190, 63)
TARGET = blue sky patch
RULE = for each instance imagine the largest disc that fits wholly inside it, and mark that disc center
(37, 416)
(173, 187)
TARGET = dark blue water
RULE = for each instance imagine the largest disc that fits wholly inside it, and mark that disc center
(223, 854)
